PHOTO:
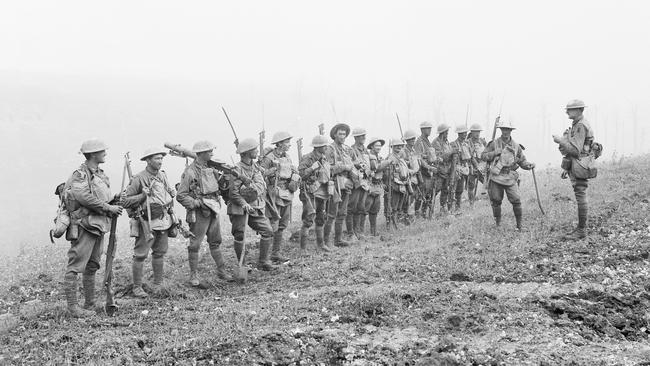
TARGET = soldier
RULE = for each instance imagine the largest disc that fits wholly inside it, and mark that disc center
(445, 153)
(88, 199)
(413, 187)
(505, 156)
(150, 188)
(340, 157)
(356, 206)
(282, 179)
(376, 189)
(199, 194)
(396, 180)
(477, 168)
(577, 143)
(316, 191)
(463, 164)
(247, 205)
(428, 162)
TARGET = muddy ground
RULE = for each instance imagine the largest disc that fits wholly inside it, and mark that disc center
(452, 291)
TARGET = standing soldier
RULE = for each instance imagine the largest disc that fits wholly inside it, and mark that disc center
(356, 206)
(150, 188)
(463, 164)
(282, 181)
(578, 143)
(445, 153)
(316, 191)
(396, 180)
(340, 157)
(477, 168)
(376, 190)
(199, 194)
(412, 159)
(505, 156)
(247, 205)
(428, 161)
(88, 199)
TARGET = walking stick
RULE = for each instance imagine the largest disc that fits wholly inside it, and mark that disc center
(539, 203)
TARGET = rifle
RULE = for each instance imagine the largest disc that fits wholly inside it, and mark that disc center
(231, 127)
(321, 129)
(400, 126)
(494, 134)
(138, 214)
(299, 145)
(262, 136)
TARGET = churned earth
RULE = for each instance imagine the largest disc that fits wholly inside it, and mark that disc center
(451, 291)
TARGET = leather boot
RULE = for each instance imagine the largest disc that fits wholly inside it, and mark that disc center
(70, 289)
(136, 268)
(239, 247)
(264, 263)
(276, 257)
(373, 224)
(304, 234)
(496, 212)
(327, 230)
(221, 264)
(158, 265)
(349, 224)
(320, 242)
(518, 216)
(338, 236)
(88, 282)
(193, 259)
(356, 224)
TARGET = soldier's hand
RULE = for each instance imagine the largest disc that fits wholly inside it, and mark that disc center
(531, 166)
(314, 166)
(248, 208)
(115, 210)
(146, 191)
(557, 138)
(565, 174)
(245, 180)
(198, 203)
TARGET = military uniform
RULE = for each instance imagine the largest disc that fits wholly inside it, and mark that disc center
(428, 161)
(250, 189)
(477, 167)
(413, 191)
(357, 203)
(160, 202)
(340, 158)
(314, 195)
(396, 181)
(444, 151)
(376, 189)
(282, 181)
(199, 194)
(463, 167)
(506, 156)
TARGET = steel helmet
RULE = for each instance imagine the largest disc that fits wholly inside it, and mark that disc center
(319, 141)
(153, 151)
(461, 129)
(280, 136)
(475, 127)
(575, 104)
(396, 142)
(202, 146)
(247, 145)
(410, 134)
(507, 124)
(374, 140)
(340, 126)
(358, 132)
(426, 124)
(92, 145)
(443, 127)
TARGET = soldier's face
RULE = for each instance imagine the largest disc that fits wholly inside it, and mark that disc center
(444, 135)
(155, 162)
(410, 142)
(360, 139)
(284, 145)
(252, 154)
(340, 136)
(398, 149)
(426, 131)
(99, 156)
(376, 147)
(320, 149)
(462, 136)
(205, 155)
(475, 134)
(574, 113)
(505, 132)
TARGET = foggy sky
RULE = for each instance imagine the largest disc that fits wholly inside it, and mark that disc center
(138, 73)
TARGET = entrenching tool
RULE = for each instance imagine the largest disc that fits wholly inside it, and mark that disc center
(242, 271)
(539, 202)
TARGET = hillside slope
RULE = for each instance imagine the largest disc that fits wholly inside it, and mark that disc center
(452, 291)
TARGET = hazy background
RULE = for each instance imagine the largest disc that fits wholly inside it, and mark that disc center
(138, 73)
